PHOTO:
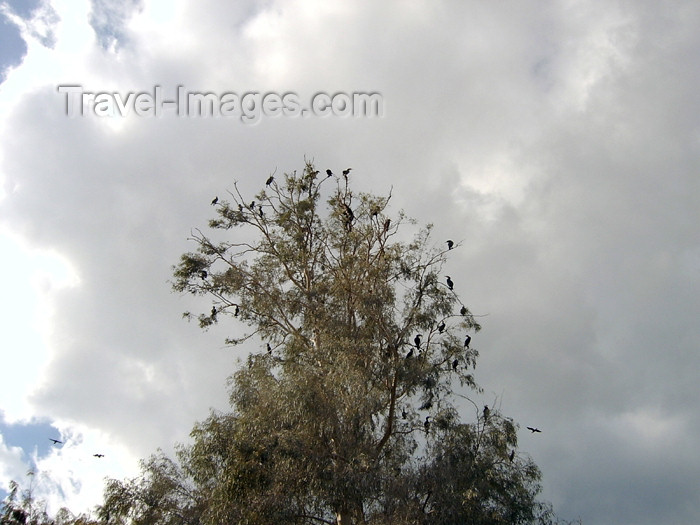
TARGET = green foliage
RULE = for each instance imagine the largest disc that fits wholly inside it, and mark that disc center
(21, 507)
(344, 417)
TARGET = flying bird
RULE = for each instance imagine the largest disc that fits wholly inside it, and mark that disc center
(269, 180)
(467, 340)
(56, 441)
(417, 340)
(533, 429)
(441, 326)
(215, 200)
(329, 173)
(450, 244)
(99, 455)
(347, 172)
(450, 284)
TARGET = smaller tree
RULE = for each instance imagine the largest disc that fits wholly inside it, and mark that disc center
(21, 507)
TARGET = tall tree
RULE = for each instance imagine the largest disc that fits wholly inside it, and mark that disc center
(355, 409)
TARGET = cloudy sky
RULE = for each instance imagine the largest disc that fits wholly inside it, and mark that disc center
(559, 141)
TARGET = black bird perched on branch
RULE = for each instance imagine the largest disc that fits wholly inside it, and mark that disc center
(450, 244)
(236, 311)
(213, 311)
(463, 310)
(486, 412)
(387, 223)
(252, 205)
(203, 274)
(215, 200)
(260, 212)
(347, 172)
(409, 355)
(533, 429)
(450, 284)
(349, 215)
(269, 180)
(329, 173)
(512, 455)
(269, 348)
(467, 340)
(441, 326)
(426, 424)
(56, 441)
(455, 364)
(404, 415)
(417, 340)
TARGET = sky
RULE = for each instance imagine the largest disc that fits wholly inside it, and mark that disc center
(557, 141)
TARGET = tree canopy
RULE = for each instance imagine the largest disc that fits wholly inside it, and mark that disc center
(353, 406)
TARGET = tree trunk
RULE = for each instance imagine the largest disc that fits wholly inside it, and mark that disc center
(343, 518)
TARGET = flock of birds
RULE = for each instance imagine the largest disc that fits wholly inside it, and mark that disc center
(59, 442)
(417, 340)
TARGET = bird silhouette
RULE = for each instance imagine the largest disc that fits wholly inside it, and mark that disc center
(533, 429)
(347, 172)
(486, 412)
(215, 200)
(455, 364)
(260, 211)
(404, 415)
(236, 311)
(467, 340)
(269, 180)
(349, 215)
(269, 348)
(213, 311)
(99, 455)
(203, 274)
(426, 424)
(409, 354)
(329, 173)
(441, 326)
(417, 340)
(450, 284)
(511, 456)
(252, 205)
(463, 310)
(450, 244)
(56, 441)
(387, 223)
